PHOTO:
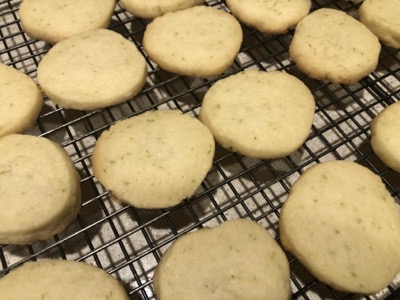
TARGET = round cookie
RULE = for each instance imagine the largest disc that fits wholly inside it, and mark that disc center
(220, 263)
(153, 8)
(61, 280)
(382, 18)
(39, 189)
(20, 101)
(249, 113)
(329, 44)
(181, 42)
(343, 226)
(55, 20)
(92, 70)
(385, 136)
(154, 160)
(269, 16)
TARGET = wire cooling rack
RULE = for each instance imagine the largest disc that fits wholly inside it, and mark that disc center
(128, 242)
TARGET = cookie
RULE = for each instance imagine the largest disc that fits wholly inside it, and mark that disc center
(92, 70)
(269, 16)
(55, 20)
(61, 280)
(199, 41)
(385, 136)
(259, 114)
(154, 160)
(39, 189)
(331, 45)
(20, 101)
(343, 226)
(236, 260)
(382, 18)
(153, 8)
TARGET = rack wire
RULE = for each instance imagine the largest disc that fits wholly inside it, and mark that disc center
(128, 242)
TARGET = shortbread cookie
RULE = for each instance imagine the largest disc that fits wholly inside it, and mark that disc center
(39, 189)
(343, 225)
(61, 280)
(236, 260)
(55, 20)
(92, 70)
(259, 114)
(331, 45)
(154, 160)
(199, 41)
(385, 136)
(269, 16)
(153, 8)
(20, 101)
(382, 18)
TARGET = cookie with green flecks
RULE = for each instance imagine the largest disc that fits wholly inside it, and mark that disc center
(382, 18)
(61, 280)
(32, 209)
(154, 160)
(55, 20)
(153, 8)
(270, 16)
(259, 114)
(342, 224)
(236, 260)
(199, 41)
(92, 70)
(385, 136)
(20, 101)
(330, 45)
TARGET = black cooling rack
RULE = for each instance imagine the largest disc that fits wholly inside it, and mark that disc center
(128, 242)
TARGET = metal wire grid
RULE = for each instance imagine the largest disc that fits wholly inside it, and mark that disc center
(128, 242)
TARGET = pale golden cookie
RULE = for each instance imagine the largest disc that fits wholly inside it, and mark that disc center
(342, 224)
(39, 189)
(236, 260)
(382, 18)
(329, 44)
(270, 16)
(154, 160)
(199, 41)
(385, 136)
(259, 114)
(61, 280)
(20, 101)
(150, 9)
(55, 20)
(92, 70)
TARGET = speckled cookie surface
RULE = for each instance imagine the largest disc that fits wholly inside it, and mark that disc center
(385, 136)
(56, 20)
(269, 16)
(182, 42)
(236, 260)
(153, 8)
(382, 18)
(92, 70)
(20, 101)
(249, 113)
(155, 159)
(61, 280)
(331, 223)
(39, 189)
(331, 45)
